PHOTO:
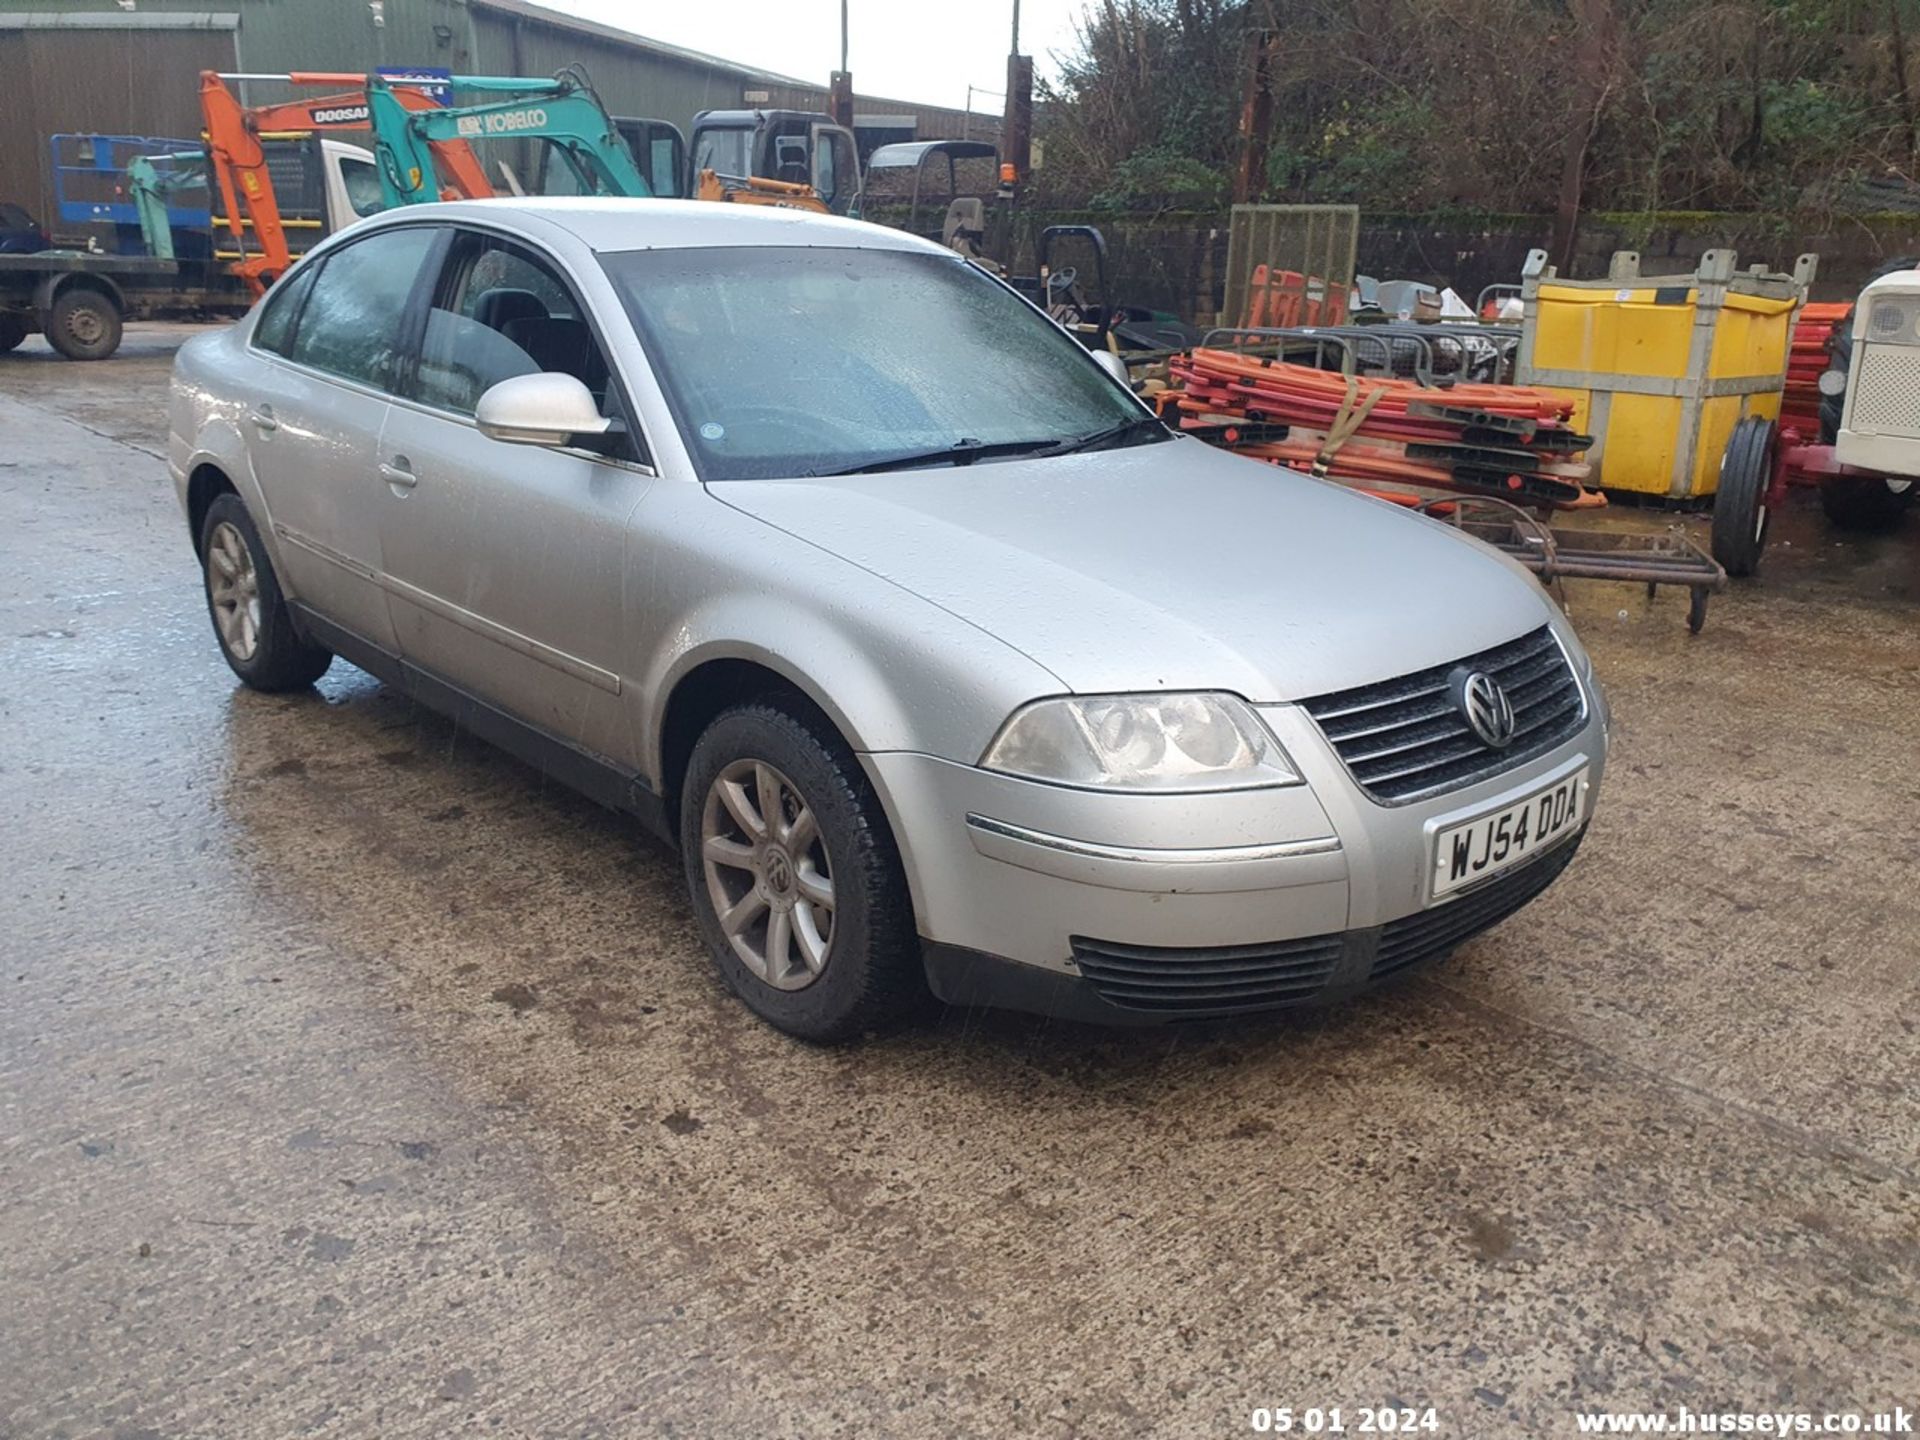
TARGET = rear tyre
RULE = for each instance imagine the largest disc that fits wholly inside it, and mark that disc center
(251, 618)
(795, 881)
(12, 331)
(84, 325)
(1740, 516)
(1867, 502)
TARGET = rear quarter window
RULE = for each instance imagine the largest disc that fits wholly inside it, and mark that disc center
(281, 308)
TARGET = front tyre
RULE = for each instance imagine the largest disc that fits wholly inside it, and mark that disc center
(251, 619)
(795, 881)
(1740, 513)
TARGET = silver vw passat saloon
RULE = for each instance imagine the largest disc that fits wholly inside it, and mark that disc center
(833, 560)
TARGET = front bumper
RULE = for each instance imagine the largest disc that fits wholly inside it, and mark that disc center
(1134, 985)
(1036, 897)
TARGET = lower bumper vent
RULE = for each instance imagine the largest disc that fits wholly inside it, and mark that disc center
(1193, 982)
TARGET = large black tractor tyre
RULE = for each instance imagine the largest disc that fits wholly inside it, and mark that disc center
(1867, 502)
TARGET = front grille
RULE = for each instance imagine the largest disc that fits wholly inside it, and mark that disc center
(1404, 739)
(1429, 934)
(1219, 980)
(1884, 390)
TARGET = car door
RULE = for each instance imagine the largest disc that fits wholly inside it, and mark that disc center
(504, 561)
(329, 345)
(836, 167)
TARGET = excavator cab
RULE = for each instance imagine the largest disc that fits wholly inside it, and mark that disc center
(658, 148)
(792, 147)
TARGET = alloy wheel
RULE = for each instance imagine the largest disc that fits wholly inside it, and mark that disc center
(767, 874)
(233, 585)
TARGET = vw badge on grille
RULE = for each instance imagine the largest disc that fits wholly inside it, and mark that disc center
(1488, 711)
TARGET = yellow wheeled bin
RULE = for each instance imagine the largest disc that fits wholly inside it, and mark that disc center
(1661, 367)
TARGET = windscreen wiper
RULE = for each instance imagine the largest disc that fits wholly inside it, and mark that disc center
(961, 452)
(1108, 436)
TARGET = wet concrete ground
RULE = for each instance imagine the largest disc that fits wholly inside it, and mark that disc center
(354, 1082)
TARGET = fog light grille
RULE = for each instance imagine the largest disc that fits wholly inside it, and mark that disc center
(1214, 980)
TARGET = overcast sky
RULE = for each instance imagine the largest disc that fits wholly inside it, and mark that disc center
(927, 51)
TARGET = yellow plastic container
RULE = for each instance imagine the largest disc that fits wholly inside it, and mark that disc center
(1661, 368)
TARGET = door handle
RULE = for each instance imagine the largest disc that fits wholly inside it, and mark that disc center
(398, 474)
(262, 418)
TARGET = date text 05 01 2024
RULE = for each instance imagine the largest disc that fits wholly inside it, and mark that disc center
(1334, 1420)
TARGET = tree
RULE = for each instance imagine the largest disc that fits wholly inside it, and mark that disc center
(1546, 107)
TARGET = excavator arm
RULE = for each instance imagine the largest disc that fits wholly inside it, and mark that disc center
(758, 190)
(563, 111)
(239, 159)
(148, 187)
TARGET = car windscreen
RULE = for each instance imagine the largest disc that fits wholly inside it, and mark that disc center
(791, 361)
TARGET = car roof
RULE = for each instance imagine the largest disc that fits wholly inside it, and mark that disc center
(613, 223)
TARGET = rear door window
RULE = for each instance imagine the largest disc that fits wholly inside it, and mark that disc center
(353, 324)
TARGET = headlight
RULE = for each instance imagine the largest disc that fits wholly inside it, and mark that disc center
(1163, 743)
(1892, 319)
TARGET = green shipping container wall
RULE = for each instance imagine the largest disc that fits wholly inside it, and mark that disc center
(133, 72)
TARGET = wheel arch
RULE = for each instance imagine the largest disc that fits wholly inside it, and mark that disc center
(709, 686)
(206, 482)
(54, 286)
(718, 678)
(211, 457)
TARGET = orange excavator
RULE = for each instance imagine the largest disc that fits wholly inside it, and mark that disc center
(236, 149)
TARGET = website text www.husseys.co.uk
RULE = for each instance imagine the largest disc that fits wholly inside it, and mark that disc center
(1897, 1421)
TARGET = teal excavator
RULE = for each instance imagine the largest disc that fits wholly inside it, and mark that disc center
(564, 112)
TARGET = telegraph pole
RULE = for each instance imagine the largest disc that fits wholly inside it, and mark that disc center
(1016, 129)
(840, 91)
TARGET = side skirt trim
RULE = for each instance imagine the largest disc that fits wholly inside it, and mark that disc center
(594, 776)
(500, 634)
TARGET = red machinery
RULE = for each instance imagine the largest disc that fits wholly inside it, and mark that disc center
(1861, 362)
(1762, 461)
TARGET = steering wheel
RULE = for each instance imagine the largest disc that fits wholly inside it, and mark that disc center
(1065, 278)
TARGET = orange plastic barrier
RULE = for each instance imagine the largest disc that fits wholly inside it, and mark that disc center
(1282, 299)
(1505, 440)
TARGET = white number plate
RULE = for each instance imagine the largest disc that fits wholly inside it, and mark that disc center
(1504, 838)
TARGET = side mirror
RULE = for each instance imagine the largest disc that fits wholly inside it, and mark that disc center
(1107, 361)
(546, 409)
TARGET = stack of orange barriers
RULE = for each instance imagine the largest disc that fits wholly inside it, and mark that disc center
(1504, 440)
(1806, 359)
